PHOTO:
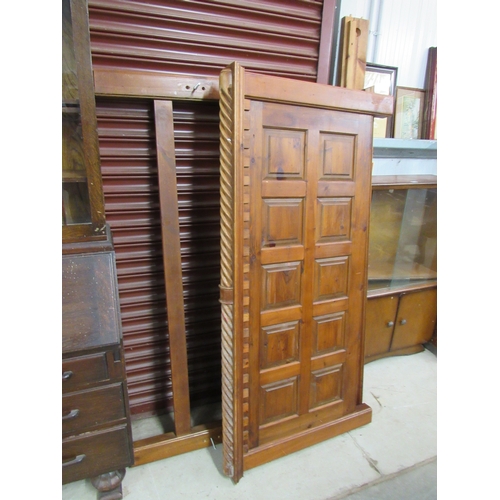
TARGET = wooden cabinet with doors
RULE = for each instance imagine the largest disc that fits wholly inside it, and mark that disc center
(295, 195)
(401, 310)
(96, 434)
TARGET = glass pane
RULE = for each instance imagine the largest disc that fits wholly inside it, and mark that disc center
(403, 237)
(69, 80)
(75, 197)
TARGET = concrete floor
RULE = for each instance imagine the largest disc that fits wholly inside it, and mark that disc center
(393, 457)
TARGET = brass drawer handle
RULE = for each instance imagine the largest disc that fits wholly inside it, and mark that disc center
(67, 375)
(75, 460)
(71, 414)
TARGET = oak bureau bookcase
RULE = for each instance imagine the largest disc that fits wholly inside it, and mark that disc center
(96, 426)
(296, 162)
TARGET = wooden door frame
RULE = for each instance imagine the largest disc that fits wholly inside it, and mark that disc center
(118, 83)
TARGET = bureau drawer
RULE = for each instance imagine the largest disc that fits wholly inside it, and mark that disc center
(85, 410)
(96, 453)
(83, 371)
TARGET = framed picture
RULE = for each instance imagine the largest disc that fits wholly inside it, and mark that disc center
(381, 80)
(409, 113)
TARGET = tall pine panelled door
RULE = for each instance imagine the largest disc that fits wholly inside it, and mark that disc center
(296, 163)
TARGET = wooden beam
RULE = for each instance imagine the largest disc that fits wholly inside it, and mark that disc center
(264, 87)
(168, 445)
(169, 209)
(352, 59)
(124, 83)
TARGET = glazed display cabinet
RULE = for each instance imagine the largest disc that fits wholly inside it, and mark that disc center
(402, 265)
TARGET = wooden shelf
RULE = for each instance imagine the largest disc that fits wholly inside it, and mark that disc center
(381, 288)
(403, 181)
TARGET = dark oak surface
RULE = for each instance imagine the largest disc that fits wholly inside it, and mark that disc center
(95, 413)
(90, 316)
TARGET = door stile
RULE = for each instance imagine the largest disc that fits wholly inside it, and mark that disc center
(364, 148)
(311, 162)
(255, 229)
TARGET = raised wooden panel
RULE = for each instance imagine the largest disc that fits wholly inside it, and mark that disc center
(326, 386)
(279, 344)
(282, 222)
(337, 156)
(328, 333)
(281, 284)
(278, 400)
(334, 220)
(331, 277)
(284, 154)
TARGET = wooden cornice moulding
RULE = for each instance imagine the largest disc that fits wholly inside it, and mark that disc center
(268, 88)
(123, 83)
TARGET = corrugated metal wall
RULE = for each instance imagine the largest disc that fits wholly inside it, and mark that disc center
(200, 37)
(130, 178)
(197, 37)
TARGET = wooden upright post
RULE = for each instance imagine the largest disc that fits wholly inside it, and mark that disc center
(167, 181)
(353, 48)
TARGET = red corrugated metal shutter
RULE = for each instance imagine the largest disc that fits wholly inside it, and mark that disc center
(200, 37)
(128, 158)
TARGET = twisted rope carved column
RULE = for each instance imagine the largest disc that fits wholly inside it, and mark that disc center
(226, 285)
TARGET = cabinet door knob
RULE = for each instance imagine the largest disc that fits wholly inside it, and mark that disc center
(67, 375)
(71, 414)
(390, 323)
(403, 322)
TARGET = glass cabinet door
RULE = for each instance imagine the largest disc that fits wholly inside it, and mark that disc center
(82, 209)
(75, 194)
(403, 237)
